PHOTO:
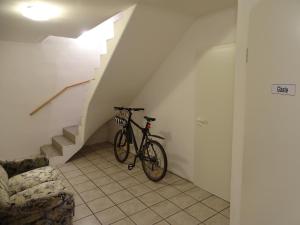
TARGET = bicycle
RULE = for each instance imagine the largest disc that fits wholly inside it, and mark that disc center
(151, 152)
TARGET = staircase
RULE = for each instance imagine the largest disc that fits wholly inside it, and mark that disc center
(63, 146)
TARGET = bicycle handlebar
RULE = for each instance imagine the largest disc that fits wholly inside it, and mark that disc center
(129, 109)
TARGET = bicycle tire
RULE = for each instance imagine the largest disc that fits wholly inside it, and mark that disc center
(146, 154)
(118, 147)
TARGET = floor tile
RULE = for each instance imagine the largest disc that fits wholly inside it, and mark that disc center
(168, 191)
(104, 165)
(217, 220)
(92, 156)
(198, 193)
(71, 189)
(125, 221)
(123, 166)
(65, 182)
(81, 211)
(93, 194)
(97, 161)
(146, 217)
(84, 164)
(68, 168)
(73, 173)
(226, 212)
(121, 196)
(95, 174)
(78, 180)
(89, 169)
(151, 198)
(128, 182)
(132, 206)
(110, 158)
(90, 220)
(200, 211)
(139, 190)
(182, 218)
(77, 199)
(85, 186)
(100, 204)
(183, 185)
(110, 215)
(183, 200)
(111, 188)
(216, 203)
(155, 185)
(112, 170)
(119, 176)
(170, 178)
(101, 181)
(165, 209)
(163, 222)
(141, 178)
(79, 160)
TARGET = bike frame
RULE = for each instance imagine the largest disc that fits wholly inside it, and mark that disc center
(131, 135)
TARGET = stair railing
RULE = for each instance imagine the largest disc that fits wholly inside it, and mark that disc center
(58, 94)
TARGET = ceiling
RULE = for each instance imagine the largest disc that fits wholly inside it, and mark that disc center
(193, 8)
(81, 15)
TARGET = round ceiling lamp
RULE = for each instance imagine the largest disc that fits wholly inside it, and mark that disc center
(39, 11)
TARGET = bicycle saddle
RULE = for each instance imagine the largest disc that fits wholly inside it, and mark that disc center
(149, 119)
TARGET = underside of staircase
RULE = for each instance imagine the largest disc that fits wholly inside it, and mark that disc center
(62, 146)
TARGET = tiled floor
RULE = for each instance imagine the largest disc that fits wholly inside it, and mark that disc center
(107, 193)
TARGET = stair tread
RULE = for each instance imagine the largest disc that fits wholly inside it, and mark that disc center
(50, 151)
(72, 129)
(63, 141)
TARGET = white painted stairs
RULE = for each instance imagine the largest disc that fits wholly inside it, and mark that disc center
(63, 146)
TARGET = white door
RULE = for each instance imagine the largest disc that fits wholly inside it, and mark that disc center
(214, 112)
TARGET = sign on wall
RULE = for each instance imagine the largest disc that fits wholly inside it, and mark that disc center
(284, 89)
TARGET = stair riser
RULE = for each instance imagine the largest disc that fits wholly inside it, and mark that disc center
(69, 135)
(57, 146)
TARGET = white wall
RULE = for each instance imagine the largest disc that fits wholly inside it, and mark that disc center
(170, 94)
(30, 74)
(101, 135)
(270, 176)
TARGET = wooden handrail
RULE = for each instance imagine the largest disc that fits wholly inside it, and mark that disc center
(58, 94)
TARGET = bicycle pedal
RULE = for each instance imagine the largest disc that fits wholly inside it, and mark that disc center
(131, 166)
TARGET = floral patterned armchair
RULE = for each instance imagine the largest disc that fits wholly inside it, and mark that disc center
(32, 194)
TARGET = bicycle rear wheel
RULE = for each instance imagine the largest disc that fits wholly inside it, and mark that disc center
(121, 146)
(154, 161)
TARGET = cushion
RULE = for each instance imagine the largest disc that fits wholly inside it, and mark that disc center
(40, 191)
(4, 197)
(3, 175)
(31, 178)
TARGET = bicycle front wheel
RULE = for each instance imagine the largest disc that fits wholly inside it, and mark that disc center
(121, 146)
(154, 161)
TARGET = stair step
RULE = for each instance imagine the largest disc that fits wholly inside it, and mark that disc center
(71, 132)
(59, 142)
(50, 151)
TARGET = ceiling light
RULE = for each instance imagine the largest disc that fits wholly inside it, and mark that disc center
(39, 11)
